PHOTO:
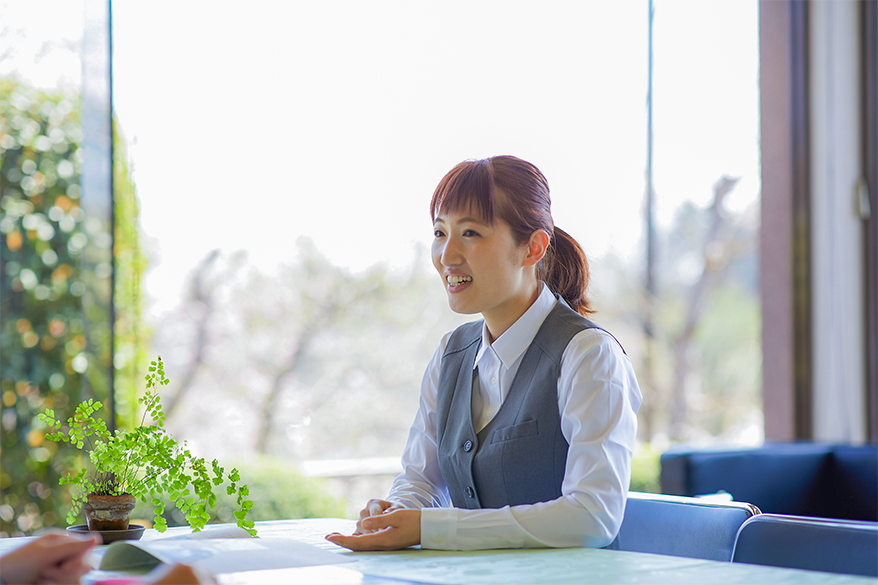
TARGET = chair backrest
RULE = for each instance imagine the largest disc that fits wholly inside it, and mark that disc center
(817, 544)
(795, 479)
(681, 526)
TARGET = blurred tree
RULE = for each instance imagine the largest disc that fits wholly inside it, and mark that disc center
(717, 253)
(707, 354)
(201, 301)
(310, 361)
(43, 349)
(708, 315)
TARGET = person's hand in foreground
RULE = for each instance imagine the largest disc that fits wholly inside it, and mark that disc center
(382, 526)
(51, 558)
(179, 575)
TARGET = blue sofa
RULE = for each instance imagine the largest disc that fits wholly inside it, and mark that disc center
(800, 479)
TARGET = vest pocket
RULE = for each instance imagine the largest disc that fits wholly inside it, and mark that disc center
(525, 429)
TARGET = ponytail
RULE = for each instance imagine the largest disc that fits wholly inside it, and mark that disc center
(564, 269)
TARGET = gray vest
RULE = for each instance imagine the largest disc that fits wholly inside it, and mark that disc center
(520, 456)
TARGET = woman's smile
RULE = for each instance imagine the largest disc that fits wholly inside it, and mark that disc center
(457, 282)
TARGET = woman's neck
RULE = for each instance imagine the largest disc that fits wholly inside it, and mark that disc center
(500, 319)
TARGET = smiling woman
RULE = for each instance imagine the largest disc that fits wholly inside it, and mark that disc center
(527, 419)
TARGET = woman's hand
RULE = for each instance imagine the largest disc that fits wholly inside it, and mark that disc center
(374, 508)
(392, 528)
(52, 558)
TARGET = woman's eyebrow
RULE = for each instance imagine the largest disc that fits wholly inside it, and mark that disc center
(462, 220)
(470, 220)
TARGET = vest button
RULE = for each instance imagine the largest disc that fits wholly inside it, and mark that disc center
(469, 492)
(468, 446)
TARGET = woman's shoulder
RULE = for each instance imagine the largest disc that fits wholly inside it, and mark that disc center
(462, 337)
(594, 345)
(564, 329)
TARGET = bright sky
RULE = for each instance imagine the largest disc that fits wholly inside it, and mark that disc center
(253, 123)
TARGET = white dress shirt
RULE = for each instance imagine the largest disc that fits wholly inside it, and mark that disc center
(598, 398)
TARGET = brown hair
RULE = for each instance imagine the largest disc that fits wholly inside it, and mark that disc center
(517, 192)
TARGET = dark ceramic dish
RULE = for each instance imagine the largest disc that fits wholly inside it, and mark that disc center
(134, 532)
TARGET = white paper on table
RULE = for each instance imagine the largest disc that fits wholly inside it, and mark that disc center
(217, 555)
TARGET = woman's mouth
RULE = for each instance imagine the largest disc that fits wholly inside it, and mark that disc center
(457, 282)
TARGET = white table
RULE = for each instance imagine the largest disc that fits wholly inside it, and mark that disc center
(503, 567)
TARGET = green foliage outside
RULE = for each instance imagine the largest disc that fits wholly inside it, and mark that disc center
(42, 337)
(131, 335)
(731, 363)
(45, 346)
(646, 469)
(277, 487)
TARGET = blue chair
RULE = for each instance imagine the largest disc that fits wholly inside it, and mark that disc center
(816, 544)
(794, 479)
(681, 526)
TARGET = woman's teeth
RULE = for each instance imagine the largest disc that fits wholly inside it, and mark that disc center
(454, 280)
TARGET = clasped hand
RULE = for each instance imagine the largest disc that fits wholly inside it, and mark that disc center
(382, 526)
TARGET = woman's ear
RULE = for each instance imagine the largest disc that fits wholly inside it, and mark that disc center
(536, 247)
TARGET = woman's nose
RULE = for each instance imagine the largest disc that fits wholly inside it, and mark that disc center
(450, 253)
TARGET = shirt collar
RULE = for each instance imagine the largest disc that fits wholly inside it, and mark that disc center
(515, 340)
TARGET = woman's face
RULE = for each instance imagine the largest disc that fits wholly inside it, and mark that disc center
(483, 269)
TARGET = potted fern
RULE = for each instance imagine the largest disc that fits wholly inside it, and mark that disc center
(145, 463)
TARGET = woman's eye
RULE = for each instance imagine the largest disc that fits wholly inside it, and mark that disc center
(437, 233)
(470, 233)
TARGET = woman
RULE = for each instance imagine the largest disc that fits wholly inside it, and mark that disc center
(527, 419)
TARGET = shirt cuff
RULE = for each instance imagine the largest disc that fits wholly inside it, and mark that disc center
(438, 528)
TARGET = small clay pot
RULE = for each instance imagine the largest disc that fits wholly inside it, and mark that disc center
(108, 512)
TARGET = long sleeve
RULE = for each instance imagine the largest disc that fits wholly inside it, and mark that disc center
(598, 398)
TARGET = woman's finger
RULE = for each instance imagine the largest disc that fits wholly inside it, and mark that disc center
(377, 507)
